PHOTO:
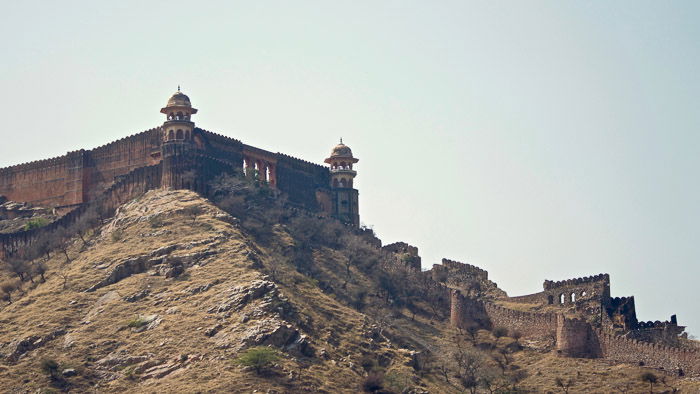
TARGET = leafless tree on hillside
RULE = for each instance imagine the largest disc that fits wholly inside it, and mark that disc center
(8, 287)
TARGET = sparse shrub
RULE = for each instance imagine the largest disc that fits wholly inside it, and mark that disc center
(156, 221)
(130, 373)
(368, 363)
(397, 382)
(50, 367)
(259, 358)
(499, 332)
(35, 223)
(117, 235)
(650, 378)
(373, 382)
(193, 211)
(137, 322)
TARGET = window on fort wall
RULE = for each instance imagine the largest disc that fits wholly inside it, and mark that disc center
(562, 299)
(573, 297)
(583, 294)
(550, 299)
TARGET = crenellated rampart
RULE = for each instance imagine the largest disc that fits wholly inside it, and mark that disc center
(550, 285)
(671, 359)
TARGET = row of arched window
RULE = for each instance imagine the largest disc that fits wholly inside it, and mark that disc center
(565, 298)
(341, 166)
(262, 170)
(178, 116)
(178, 135)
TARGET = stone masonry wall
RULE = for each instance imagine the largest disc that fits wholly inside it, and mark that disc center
(532, 325)
(673, 360)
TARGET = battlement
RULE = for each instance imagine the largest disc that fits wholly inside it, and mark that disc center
(657, 324)
(36, 164)
(464, 268)
(409, 253)
(549, 285)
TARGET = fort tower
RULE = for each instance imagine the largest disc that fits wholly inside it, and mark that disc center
(344, 196)
(177, 147)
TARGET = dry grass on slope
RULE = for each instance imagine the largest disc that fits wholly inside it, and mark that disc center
(177, 354)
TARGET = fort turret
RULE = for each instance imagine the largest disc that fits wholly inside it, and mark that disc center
(178, 144)
(344, 197)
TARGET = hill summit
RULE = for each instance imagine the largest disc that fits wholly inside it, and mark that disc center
(173, 293)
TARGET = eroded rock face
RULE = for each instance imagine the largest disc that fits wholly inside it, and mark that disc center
(19, 347)
(239, 296)
(160, 259)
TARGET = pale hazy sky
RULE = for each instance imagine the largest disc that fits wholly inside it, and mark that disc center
(536, 139)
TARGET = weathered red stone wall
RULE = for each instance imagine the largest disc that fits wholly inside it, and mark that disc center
(44, 182)
(79, 176)
(118, 158)
(129, 186)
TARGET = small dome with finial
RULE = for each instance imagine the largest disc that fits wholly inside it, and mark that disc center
(179, 99)
(341, 151)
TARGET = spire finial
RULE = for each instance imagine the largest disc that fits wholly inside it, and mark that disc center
(341, 140)
(178, 87)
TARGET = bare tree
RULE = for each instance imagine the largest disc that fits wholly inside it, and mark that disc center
(564, 384)
(8, 287)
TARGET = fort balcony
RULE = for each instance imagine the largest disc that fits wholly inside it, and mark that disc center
(346, 170)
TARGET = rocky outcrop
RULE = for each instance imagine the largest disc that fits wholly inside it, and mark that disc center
(19, 347)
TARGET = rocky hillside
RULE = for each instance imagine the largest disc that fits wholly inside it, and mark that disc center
(166, 295)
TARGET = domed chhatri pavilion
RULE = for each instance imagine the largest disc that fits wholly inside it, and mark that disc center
(180, 155)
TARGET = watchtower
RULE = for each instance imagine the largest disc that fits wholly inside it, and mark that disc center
(178, 144)
(344, 196)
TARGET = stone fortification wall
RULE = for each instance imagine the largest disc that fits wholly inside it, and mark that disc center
(671, 359)
(118, 158)
(571, 291)
(52, 182)
(78, 176)
(408, 253)
(576, 338)
(129, 186)
(300, 180)
(531, 325)
(220, 146)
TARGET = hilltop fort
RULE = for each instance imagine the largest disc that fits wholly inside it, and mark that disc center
(177, 155)
(577, 318)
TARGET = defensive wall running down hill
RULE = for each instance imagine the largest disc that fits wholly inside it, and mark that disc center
(647, 343)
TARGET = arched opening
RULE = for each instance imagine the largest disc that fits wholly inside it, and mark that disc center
(343, 183)
(562, 299)
(267, 174)
(573, 297)
(245, 167)
(550, 299)
(583, 293)
(187, 135)
(171, 135)
(179, 116)
(179, 134)
(342, 165)
(335, 182)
